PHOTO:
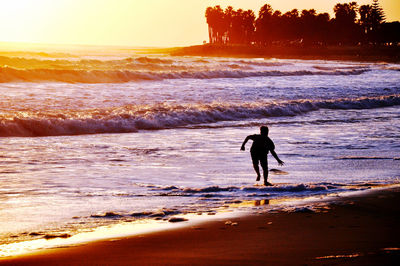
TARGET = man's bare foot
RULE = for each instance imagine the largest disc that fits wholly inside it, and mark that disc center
(268, 184)
(258, 178)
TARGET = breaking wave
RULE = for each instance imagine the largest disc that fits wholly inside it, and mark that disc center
(172, 190)
(163, 116)
(57, 63)
(10, 74)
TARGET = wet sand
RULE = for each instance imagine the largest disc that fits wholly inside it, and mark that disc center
(353, 230)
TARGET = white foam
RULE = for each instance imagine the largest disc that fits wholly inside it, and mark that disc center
(134, 118)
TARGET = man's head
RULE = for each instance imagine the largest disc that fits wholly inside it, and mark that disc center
(264, 130)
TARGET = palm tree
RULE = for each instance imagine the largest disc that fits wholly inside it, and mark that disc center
(263, 24)
(229, 15)
(290, 25)
(307, 22)
(344, 23)
(216, 24)
(248, 24)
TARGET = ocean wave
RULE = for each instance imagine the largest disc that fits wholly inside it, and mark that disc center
(263, 63)
(79, 63)
(153, 60)
(235, 194)
(10, 74)
(330, 68)
(162, 213)
(246, 189)
(364, 158)
(163, 116)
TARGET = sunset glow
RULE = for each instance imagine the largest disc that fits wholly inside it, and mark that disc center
(230, 122)
(135, 23)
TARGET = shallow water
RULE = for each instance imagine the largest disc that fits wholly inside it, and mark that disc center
(88, 142)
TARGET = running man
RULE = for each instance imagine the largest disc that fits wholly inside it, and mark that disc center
(259, 152)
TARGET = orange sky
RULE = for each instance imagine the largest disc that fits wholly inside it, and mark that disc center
(133, 22)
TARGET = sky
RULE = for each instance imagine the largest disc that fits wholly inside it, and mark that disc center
(154, 23)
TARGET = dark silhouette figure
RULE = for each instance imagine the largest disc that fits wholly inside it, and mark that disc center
(259, 152)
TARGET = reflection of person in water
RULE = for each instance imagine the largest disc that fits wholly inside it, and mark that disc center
(259, 151)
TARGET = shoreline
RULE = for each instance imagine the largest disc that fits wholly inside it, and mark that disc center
(128, 227)
(336, 53)
(355, 229)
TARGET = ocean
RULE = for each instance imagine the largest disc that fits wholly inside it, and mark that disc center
(94, 139)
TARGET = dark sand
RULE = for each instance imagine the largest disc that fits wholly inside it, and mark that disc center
(356, 230)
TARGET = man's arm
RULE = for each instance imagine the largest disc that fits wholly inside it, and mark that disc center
(244, 143)
(280, 162)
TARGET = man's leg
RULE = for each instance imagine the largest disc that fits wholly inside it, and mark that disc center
(255, 160)
(264, 165)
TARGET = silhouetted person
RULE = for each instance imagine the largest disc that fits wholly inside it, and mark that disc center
(259, 152)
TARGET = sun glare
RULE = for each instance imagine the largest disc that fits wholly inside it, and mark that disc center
(26, 20)
(133, 23)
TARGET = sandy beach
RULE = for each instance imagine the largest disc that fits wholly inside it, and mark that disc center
(354, 230)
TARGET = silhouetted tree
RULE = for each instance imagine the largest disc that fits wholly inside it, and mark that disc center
(377, 18)
(248, 21)
(275, 29)
(229, 14)
(344, 23)
(232, 26)
(242, 26)
(322, 29)
(377, 14)
(391, 33)
(307, 22)
(371, 20)
(290, 26)
(263, 25)
(217, 26)
(211, 22)
(365, 20)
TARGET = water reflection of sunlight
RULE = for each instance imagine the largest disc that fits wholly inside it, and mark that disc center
(105, 232)
(124, 229)
(260, 202)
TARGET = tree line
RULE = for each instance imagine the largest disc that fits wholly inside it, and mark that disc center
(351, 25)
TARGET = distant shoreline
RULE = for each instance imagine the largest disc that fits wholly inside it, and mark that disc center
(342, 53)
